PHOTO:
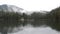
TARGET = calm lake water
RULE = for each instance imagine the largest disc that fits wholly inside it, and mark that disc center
(37, 30)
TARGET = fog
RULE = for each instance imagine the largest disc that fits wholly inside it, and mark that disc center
(47, 24)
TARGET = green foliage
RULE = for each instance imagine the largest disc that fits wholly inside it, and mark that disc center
(39, 19)
(54, 19)
(9, 19)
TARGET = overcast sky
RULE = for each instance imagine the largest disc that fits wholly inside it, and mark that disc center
(32, 5)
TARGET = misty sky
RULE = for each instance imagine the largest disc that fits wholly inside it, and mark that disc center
(32, 5)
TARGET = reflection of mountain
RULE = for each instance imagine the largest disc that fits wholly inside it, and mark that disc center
(9, 18)
(51, 19)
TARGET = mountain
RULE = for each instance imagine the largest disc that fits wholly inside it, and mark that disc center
(10, 8)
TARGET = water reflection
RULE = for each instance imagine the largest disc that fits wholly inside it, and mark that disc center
(37, 30)
(14, 21)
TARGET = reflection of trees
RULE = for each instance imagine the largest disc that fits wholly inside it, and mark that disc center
(54, 19)
(27, 19)
(14, 19)
(39, 18)
(9, 19)
(51, 19)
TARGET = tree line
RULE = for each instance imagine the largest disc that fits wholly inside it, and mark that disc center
(15, 19)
